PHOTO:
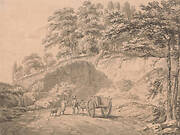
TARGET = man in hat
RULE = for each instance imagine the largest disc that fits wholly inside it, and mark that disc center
(75, 105)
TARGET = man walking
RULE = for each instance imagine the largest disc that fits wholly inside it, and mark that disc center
(62, 107)
(75, 105)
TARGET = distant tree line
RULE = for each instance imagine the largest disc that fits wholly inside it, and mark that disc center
(84, 31)
(32, 64)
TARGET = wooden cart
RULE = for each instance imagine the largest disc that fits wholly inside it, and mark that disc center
(104, 103)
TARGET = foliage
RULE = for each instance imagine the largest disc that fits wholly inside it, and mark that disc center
(114, 20)
(10, 96)
(128, 10)
(14, 70)
(110, 5)
(159, 115)
(55, 96)
(117, 6)
(19, 72)
(156, 22)
(90, 29)
(32, 62)
(90, 25)
(155, 88)
(49, 60)
(62, 30)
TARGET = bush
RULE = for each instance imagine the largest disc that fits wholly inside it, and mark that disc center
(28, 99)
(159, 115)
(54, 97)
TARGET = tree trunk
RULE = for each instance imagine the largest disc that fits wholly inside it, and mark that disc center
(169, 96)
(174, 99)
(176, 83)
(14, 71)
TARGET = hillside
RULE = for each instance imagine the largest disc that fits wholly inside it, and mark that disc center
(131, 76)
(4, 86)
(123, 78)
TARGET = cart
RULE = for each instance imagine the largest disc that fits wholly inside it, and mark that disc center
(104, 103)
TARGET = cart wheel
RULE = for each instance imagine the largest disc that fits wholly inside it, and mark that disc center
(91, 108)
(106, 111)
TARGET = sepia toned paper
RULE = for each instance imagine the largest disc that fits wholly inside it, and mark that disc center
(89, 67)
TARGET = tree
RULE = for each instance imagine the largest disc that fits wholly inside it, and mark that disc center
(90, 26)
(111, 36)
(32, 62)
(128, 10)
(174, 16)
(20, 72)
(110, 5)
(111, 40)
(155, 88)
(150, 25)
(14, 71)
(157, 23)
(99, 6)
(153, 23)
(49, 59)
(169, 22)
(117, 6)
(17, 71)
(156, 19)
(62, 30)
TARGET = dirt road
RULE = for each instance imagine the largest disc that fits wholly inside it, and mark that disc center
(40, 123)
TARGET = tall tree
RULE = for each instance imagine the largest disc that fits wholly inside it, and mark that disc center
(111, 36)
(14, 71)
(128, 10)
(173, 15)
(99, 6)
(20, 72)
(90, 25)
(32, 62)
(152, 23)
(117, 6)
(62, 30)
(155, 23)
(110, 5)
(49, 59)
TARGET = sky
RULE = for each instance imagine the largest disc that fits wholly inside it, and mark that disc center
(23, 26)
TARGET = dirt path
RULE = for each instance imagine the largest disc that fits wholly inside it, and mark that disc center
(40, 123)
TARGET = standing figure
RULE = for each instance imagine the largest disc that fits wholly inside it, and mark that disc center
(62, 107)
(83, 105)
(75, 105)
